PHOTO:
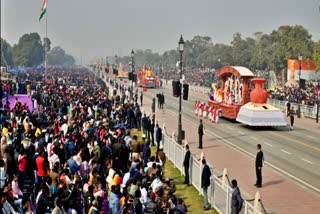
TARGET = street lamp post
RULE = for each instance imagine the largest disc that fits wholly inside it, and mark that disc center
(300, 59)
(132, 73)
(181, 46)
(116, 67)
(299, 110)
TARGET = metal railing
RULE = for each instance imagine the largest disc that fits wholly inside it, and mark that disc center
(200, 89)
(219, 193)
(306, 110)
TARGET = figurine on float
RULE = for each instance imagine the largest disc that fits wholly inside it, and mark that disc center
(217, 93)
(233, 90)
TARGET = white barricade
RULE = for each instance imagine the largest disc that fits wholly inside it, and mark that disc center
(219, 194)
(306, 110)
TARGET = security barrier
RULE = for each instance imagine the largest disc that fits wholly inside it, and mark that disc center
(219, 192)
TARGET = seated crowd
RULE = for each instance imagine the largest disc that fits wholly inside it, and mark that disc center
(74, 152)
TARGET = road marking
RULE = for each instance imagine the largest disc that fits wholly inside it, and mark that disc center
(309, 136)
(254, 156)
(307, 161)
(267, 144)
(285, 152)
(241, 132)
(298, 142)
(254, 138)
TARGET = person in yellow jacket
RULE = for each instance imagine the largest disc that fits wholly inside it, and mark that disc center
(38, 132)
(26, 126)
(5, 131)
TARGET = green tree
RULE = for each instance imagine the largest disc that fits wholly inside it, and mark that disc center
(222, 55)
(170, 58)
(289, 42)
(317, 54)
(28, 51)
(242, 50)
(57, 56)
(6, 54)
(262, 58)
(197, 51)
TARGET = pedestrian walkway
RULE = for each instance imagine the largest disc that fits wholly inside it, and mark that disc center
(279, 193)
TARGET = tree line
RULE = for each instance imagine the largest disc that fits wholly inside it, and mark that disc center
(261, 51)
(30, 52)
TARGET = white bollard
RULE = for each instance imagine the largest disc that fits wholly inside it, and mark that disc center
(185, 143)
(256, 203)
(225, 182)
(202, 156)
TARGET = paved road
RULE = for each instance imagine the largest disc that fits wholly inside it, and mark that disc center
(294, 153)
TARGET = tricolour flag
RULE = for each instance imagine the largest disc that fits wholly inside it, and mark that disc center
(43, 9)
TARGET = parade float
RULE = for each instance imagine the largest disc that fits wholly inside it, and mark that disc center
(257, 112)
(233, 92)
(232, 100)
(147, 79)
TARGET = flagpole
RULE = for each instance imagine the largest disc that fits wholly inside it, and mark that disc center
(45, 47)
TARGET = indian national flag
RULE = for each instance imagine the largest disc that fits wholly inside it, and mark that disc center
(43, 9)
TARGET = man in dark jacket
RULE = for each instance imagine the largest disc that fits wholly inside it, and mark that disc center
(146, 152)
(205, 183)
(200, 133)
(138, 117)
(141, 98)
(236, 199)
(136, 202)
(259, 164)
(145, 124)
(161, 101)
(186, 165)
(44, 202)
(158, 136)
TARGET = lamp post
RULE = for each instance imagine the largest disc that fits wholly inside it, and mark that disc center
(299, 110)
(318, 107)
(181, 46)
(132, 73)
(300, 59)
(116, 67)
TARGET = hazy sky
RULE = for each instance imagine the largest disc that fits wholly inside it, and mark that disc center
(96, 28)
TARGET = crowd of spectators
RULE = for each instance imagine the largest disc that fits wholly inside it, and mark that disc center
(306, 96)
(75, 151)
(196, 76)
